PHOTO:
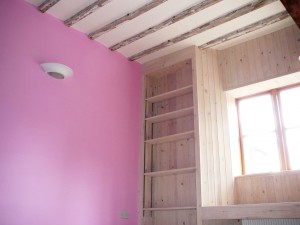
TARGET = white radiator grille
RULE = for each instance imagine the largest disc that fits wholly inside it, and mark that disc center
(272, 222)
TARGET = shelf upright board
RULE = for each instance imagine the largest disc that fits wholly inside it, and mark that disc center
(170, 173)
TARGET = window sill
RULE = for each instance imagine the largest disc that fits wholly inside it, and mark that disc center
(286, 172)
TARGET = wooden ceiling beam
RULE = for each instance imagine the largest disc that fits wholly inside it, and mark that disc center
(173, 19)
(85, 12)
(47, 5)
(213, 23)
(125, 18)
(247, 29)
(293, 8)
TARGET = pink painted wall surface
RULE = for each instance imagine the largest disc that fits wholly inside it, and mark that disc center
(69, 149)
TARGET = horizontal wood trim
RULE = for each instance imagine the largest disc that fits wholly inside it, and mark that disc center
(171, 94)
(252, 211)
(164, 63)
(125, 18)
(171, 172)
(170, 138)
(171, 115)
(287, 172)
(170, 208)
(172, 20)
(85, 12)
(213, 23)
(47, 5)
(168, 69)
(247, 29)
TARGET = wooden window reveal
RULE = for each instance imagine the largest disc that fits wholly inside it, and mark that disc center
(269, 126)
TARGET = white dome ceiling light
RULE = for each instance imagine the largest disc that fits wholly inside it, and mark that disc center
(57, 70)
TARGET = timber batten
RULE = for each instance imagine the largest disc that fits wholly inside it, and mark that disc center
(180, 16)
(211, 24)
(47, 5)
(85, 12)
(247, 29)
(129, 16)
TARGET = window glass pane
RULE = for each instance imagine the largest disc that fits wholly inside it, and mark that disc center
(261, 153)
(293, 144)
(290, 104)
(256, 114)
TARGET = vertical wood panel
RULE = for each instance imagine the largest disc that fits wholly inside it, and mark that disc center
(258, 62)
(292, 45)
(270, 52)
(222, 192)
(272, 55)
(252, 73)
(216, 172)
(280, 68)
(198, 114)
(268, 188)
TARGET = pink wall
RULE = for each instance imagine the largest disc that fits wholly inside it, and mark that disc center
(68, 148)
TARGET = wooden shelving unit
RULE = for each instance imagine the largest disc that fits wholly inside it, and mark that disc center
(170, 172)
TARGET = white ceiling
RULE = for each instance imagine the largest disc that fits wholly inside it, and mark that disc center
(118, 8)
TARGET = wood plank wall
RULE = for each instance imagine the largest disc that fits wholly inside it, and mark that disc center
(215, 155)
(261, 59)
(268, 188)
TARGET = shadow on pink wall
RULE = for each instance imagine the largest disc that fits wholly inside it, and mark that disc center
(69, 149)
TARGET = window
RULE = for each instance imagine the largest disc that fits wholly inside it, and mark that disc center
(269, 125)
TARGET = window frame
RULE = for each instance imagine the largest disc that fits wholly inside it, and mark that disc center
(280, 130)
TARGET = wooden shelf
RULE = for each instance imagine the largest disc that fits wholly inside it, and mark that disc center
(171, 172)
(168, 69)
(252, 211)
(171, 94)
(170, 138)
(170, 115)
(170, 208)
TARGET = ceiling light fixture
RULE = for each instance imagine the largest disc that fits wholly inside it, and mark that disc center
(57, 70)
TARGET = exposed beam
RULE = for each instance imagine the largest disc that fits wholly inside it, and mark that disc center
(293, 7)
(173, 19)
(125, 18)
(213, 23)
(47, 5)
(85, 12)
(252, 211)
(247, 29)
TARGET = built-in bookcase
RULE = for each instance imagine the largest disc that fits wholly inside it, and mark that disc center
(169, 170)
